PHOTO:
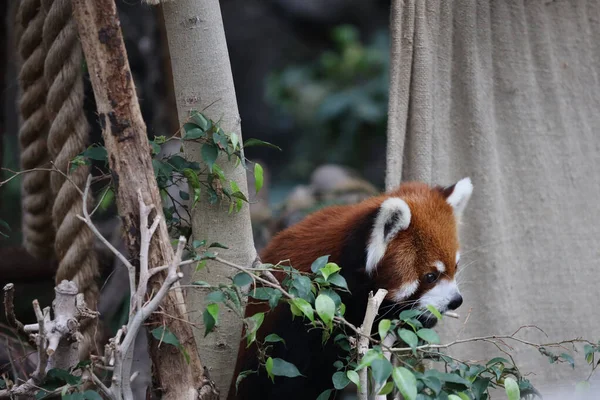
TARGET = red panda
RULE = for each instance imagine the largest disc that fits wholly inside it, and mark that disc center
(405, 241)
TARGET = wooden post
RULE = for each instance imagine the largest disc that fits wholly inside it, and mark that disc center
(129, 156)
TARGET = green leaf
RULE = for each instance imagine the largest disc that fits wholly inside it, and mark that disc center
(239, 195)
(217, 245)
(353, 377)
(210, 317)
(384, 327)
(325, 395)
(334, 296)
(329, 269)
(568, 358)
(319, 263)
(73, 396)
(163, 334)
(216, 297)
(338, 280)
(269, 368)
(429, 335)
(242, 279)
(409, 314)
(284, 368)
(582, 387)
(220, 139)
(512, 388)
(258, 177)
(444, 377)
(461, 396)
(242, 375)
(386, 389)
(97, 153)
(409, 338)
(198, 243)
(254, 322)
(370, 356)
(302, 286)
(4, 225)
(235, 139)
(589, 353)
(325, 307)
(305, 307)
(209, 154)
(274, 338)
(256, 142)
(199, 120)
(405, 382)
(201, 284)
(64, 376)
(381, 370)
(200, 265)
(270, 294)
(497, 360)
(207, 255)
(432, 383)
(434, 311)
(453, 397)
(91, 395)
(154, 147)
(160, 139)
(340, 380)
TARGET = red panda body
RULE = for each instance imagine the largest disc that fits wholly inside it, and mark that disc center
(405, 241)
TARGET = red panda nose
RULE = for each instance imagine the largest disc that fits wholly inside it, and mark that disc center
(455, 302)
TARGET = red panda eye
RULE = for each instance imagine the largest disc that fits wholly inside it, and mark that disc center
(431, 277)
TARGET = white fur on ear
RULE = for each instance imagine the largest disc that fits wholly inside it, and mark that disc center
(393, 216)
(461, 193)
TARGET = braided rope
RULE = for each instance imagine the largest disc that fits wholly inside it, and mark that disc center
(68, 136)
(38, 233)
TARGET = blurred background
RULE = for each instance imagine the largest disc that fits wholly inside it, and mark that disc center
(310, 76)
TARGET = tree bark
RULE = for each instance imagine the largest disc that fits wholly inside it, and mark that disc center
(126, 142)
(203, 81)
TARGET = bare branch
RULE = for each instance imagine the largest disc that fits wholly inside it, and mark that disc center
(363, 342)
(88, 221)
(9, 310)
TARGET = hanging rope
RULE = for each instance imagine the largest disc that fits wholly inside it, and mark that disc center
(38, 232)
(68, 137)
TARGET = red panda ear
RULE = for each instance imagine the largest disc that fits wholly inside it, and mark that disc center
(458, 195)
(393, 216)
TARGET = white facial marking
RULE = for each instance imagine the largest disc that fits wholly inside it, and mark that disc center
(407, 290)
(440, 266)
(457, 256)
(460, 195)
(440, 295)
(394, 216)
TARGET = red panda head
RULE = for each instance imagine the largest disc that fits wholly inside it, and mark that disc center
(413, 249)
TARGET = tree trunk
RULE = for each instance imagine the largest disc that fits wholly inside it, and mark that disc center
(203, 81)
(125, 137)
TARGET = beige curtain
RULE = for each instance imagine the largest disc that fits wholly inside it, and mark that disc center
(508, 93)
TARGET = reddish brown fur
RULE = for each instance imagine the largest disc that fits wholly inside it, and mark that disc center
(431, 236)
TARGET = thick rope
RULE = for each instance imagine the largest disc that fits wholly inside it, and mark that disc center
(38, 232)
(68, 136)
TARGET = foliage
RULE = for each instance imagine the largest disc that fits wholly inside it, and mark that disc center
(338, 103)
(314, 297)
(202, 179)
